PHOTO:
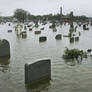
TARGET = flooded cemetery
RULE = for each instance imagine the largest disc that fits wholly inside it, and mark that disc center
(28, 46)
(45, 53)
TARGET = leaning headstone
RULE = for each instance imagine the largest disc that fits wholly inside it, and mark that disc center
(4, 48)
(37, 72)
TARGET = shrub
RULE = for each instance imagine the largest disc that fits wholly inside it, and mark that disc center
(74, 54)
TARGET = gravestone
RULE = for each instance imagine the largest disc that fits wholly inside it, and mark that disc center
(37, 72)
(9, 30)
(42, 28)
(58, 37)
(37, 32)
(4, 48)
(42, 39)
(30, 29)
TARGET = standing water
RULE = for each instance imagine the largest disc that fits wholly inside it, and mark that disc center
(66, 77)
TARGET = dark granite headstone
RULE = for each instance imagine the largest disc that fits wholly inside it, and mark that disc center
(37, 72)
(4, 48)
(42, 39)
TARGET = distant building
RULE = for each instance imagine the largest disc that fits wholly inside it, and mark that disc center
(61, 11)
(66, 19)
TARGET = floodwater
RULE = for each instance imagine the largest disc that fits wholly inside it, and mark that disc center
(66, 77)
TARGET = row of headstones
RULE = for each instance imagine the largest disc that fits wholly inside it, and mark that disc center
(41, 39)
(23, 34)
(58, 36)
(44, 38)
(5, 46)
(85, 26)
(30, 29)
(74, 39)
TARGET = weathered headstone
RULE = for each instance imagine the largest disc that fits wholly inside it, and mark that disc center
(37, 32)
(4, 48)
(58, 37)
(37, 72)
(23, 34)
(9, 30)
(30, 29)
(42, 39)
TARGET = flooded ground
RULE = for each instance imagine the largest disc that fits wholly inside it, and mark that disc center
(66, 77)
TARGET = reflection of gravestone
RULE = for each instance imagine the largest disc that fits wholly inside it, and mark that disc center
(76, 38)
(71, 39)
(4, 48)
(38, 72)
(4, 60)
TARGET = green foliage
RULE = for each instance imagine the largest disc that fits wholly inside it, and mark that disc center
(21, 15)
(73, 54)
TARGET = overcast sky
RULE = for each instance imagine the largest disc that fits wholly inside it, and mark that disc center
(40, 7)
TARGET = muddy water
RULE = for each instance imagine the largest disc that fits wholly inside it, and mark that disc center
(66, 77)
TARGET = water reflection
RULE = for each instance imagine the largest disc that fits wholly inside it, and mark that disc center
(72, 62)
(38, 87)
(4, 64)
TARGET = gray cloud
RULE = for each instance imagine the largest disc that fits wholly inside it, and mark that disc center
(80, 7)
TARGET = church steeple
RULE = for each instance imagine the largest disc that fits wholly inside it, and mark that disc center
(61, 10)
